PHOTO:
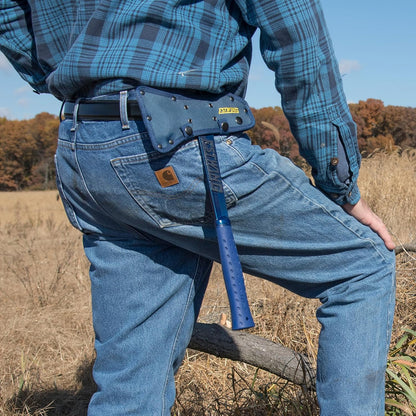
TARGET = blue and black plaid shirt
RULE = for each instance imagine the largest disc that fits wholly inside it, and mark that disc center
(90, 47)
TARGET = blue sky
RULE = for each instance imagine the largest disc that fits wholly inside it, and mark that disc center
(374, 40)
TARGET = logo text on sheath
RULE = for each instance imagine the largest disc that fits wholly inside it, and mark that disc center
(228, 110)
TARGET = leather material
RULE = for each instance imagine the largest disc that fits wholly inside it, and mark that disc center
(171, 118)
(100, 110)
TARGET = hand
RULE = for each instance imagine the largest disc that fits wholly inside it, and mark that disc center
(362, 212)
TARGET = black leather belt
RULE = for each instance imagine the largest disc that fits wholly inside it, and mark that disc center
(100, 110)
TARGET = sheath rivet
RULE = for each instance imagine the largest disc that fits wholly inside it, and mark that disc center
(188, 130)
(159, 146)
(214, 118)
(149, 118)
(142, 92)
(173, 98)
(210, 105)
(224, 126)
(231, 98)
(239, 120)
(189, 120)
(185, 107)
(170, 141)
(245, 110)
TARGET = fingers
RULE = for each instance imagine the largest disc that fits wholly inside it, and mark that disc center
(377, 225)
(362, 212)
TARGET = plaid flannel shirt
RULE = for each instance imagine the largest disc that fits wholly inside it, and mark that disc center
(91, 47)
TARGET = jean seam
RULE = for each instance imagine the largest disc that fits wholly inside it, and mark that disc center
(113, 143)
(389, 317)
(64, 197)
(170, 365)
(323, 208)
(84, 183)
(241, 155)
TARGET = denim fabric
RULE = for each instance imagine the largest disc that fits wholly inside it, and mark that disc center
(151, 251)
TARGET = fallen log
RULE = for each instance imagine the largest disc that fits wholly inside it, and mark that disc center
(259, 352)
(254, 350)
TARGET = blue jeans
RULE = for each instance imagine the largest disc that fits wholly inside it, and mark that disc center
(151, 250)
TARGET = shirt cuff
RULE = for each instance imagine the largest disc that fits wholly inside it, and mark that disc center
(352, 196)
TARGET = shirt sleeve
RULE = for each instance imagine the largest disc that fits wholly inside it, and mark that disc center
(17, 42)
(295, 44)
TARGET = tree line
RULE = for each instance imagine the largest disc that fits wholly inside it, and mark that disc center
(27, 147)
(379, 127)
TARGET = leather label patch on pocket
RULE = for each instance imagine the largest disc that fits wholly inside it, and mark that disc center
(167, 177)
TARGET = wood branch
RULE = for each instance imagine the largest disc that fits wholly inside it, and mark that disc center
(406, 247)
(254, 350)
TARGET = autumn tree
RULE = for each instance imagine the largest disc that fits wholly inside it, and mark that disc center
(17, 148)
(44, 130)
(26, 152)
(272, 130)
(400, 122)
(380, 127)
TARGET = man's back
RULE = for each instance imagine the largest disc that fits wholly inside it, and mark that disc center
(95, 47)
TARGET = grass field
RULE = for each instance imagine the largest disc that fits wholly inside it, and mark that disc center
(46, 347)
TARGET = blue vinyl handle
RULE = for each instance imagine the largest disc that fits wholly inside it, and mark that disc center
(233, 277)
(231, 268)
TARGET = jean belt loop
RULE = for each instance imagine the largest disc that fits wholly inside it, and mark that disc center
(124, 118)
(75, 114)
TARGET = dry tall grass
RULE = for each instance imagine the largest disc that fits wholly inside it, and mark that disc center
(46, 346)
